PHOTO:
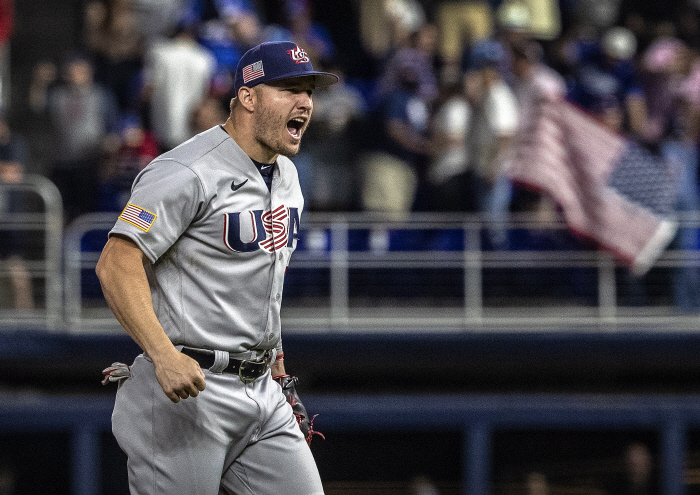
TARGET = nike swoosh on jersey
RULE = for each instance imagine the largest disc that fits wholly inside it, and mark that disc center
(236, 187)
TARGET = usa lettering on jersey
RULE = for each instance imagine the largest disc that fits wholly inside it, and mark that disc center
(271, 230)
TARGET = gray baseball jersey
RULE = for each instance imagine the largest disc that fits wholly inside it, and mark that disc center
(219, 242)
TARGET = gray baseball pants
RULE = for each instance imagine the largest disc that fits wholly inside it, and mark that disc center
(234, 438)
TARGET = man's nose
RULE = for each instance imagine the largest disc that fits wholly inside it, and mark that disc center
(304, 101)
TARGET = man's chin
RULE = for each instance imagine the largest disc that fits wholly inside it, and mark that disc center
(290, 151)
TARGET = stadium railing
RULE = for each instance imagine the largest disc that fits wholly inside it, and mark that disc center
(38, 208)
(369, 272)
(364, 272)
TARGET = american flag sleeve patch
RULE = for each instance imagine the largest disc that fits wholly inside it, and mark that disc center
(135, 215)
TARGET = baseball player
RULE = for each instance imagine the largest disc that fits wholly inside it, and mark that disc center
(193, 270)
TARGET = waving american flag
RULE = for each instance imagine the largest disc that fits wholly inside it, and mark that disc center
(609, 188)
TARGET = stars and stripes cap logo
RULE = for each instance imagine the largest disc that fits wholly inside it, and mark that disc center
(299, 55)
(253, 71)
(135, 215)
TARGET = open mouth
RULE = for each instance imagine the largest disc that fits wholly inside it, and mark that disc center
(295, 127)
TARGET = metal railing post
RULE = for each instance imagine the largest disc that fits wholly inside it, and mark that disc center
(339, 279)
(74, 261)
(50, 223)
(72, 274)
(85, 460)
(607, 293)
(673, 449)
(52, 249)
(477, 455)
(473, 290)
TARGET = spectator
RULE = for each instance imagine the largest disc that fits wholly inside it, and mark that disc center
(138, 147)
(608, 66)
(514, 21)
(513, 27)
(157, 18)
(339, 112)
(313, 36)
(7, 20)
(533, 81)
(215, 23)
(450, 178)
(113, 37)
(385, 25)
(177, 77)
(545, 20)
(36, 124)
(420, 63)
(85, 116)
(391, 170)
(13, 244)
(638, 476)
(673, 74)
(493, 125)
(207, 114)
(536, 484)
(427, 42)
(422, 485)
(670, 73)
(44, 75)
(536, 83)
(247, 31)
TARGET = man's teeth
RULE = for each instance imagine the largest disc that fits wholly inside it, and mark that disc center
(295, 125)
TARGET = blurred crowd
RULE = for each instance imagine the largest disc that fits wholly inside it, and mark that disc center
(426, 125)
(431, 97)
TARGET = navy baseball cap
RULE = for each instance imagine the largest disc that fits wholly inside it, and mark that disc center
(486, 53)
(275, 60)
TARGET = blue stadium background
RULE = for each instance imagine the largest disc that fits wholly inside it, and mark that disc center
(470, 408)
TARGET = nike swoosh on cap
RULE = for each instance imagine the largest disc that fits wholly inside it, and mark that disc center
(236, 187)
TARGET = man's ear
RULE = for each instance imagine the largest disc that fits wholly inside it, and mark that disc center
(247, 98)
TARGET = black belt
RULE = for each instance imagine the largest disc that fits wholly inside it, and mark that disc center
(245, 369)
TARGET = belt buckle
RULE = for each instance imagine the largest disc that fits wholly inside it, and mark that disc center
(247, 371)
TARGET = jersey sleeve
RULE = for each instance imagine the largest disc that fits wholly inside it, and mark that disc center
(165, 199)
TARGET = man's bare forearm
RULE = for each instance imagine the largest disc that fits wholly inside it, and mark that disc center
(125, 287)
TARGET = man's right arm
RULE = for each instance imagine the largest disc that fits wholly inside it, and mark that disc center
(125, 287)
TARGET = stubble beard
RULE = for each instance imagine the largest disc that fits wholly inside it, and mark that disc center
(266, 131)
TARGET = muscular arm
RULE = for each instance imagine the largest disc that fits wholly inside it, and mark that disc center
(125, 287)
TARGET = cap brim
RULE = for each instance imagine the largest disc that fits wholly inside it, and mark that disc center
(320, 78)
